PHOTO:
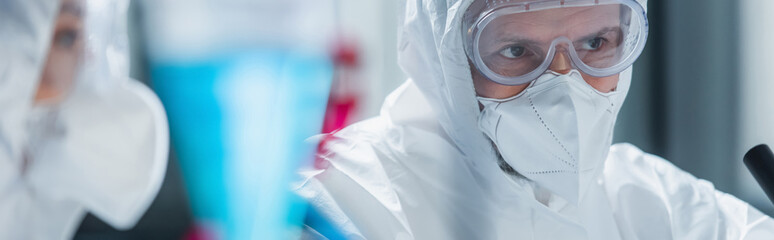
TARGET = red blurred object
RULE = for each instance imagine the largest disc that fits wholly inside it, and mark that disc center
(344, 98)
(339, 112)
(346, 54)
(199, 232)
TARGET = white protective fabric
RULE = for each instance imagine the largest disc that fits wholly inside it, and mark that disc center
(424, 170)
(557, 132)
(103, 149)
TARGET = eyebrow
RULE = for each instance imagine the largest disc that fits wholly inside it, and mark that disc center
(536, 43)
(71, 8)
(518, 40)
(510, 40)
(601, 32)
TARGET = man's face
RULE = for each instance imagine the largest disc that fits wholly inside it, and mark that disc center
(516, 41)
(64, 55)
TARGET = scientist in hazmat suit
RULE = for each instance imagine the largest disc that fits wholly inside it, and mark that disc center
(77, 135)
(504, 131)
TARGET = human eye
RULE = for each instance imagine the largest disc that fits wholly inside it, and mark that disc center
(513, 51)
(65, 39)
(594, 43)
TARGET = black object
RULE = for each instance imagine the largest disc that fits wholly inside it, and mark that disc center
(760, 162)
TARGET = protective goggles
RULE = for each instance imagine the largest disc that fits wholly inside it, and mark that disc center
(513, 42)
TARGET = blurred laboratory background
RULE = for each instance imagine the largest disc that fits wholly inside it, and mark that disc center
(700, 96)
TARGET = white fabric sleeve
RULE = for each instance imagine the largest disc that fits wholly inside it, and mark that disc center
(653, 196)
(354, 192)
(318, 197)
(746, 222)
(695, 202)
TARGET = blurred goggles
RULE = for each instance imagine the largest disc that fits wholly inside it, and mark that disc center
(513, 42)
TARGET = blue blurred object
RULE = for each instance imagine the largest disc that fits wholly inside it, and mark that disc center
(321, 226)
(244, 83)
(238, 123)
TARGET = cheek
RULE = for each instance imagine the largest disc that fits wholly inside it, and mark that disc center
(489, 89)
(603, 84)
(486, 88)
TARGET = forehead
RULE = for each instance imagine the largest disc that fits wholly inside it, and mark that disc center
(549, 24)
(478, 7)
(566, 15)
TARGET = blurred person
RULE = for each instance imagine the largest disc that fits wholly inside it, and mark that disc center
(504, 131)
(77, 135)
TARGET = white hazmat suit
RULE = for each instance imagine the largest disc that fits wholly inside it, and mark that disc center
(422, 169)
(103, 149)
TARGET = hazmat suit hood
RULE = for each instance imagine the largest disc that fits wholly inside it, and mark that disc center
(25, 31)
(102, 149)
(431, 52)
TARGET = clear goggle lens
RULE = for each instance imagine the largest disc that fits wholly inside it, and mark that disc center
(515, 43)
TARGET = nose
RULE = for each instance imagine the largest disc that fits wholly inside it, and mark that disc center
(561, 63)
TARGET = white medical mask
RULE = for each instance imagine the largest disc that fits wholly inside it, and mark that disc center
(105, 150)
(557, 132)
